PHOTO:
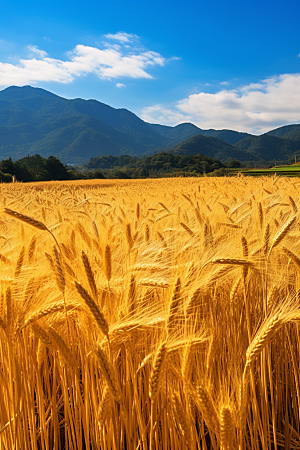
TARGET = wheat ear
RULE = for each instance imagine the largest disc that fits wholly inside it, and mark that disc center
(20, 262)
(264, 335)
(193, 301)
(53, 340)
(9, 308)
(2, 324)
(131, 303)
(186, 228)
(182, 418)
(62, 347)
(157, 371)
(137, 211)
(90, 302)
(108, 372)
(245, 254)
(56, 307)
(292, 202)
(35, 223)
(245, 247)
(129, 236)
(292, 255)
(282, 232)
(207, 409)
(59, 271)
(260, 215)
(147, 233)
(104, 407)
(272, 298)
(90, 274)
(174, 306)
(107, 262)
(30, 221)
(266, 239)
(187, 363)
(31, 248)
(226, 428)
(235, 288)
(42, 334)
(232, 261)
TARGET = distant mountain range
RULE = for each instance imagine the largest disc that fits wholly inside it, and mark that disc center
(35, 121)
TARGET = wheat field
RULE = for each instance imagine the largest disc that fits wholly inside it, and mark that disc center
(150, 314)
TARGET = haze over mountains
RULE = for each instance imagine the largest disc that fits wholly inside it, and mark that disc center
(35, 121)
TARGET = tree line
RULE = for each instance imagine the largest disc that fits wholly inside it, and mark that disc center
(164, 164)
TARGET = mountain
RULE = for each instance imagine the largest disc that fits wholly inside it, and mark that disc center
(188, 130)
(269, 148)
(35, 121)
(211, 146)
(73, 130)
(287, 132)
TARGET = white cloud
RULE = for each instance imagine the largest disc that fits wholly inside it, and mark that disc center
(106, 63)
(37, 51)
(256, 108)
(114, 46)
(224, 83)
(162, 115)
(122, 37)
(120, 85)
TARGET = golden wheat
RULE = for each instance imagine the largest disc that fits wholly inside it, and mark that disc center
(165, 316)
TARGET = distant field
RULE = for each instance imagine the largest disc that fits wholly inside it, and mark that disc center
(288, 171)
(150, 314)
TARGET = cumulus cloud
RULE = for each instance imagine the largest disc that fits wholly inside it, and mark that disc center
(108, 63)
(224, 83)
(120, 85)
(255, 108)
(122, 37)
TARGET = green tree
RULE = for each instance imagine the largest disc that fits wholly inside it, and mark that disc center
(234, 164)
(55, 169)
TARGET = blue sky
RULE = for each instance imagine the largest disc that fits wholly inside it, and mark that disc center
(218, 64)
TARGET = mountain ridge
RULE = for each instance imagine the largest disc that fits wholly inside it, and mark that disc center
(36, 121)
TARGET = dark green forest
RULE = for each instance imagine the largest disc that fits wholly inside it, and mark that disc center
(164, 164)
